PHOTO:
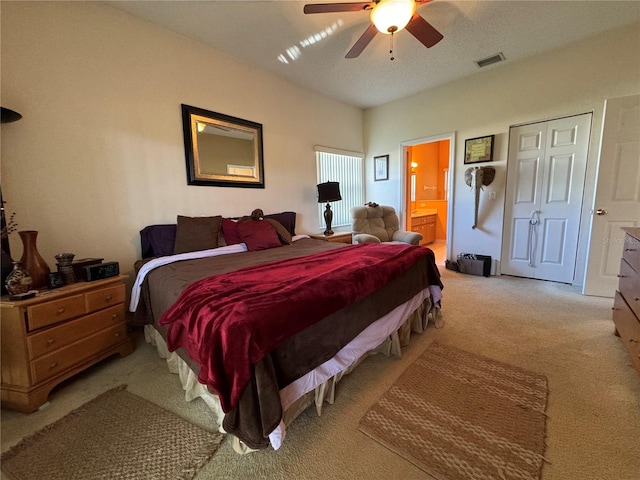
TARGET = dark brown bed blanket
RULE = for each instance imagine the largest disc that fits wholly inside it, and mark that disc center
(259, 411)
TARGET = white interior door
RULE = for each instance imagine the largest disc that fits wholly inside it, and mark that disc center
(617, 199)
(545, 182)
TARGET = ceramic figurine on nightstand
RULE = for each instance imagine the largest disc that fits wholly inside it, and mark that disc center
(65, 268)
(18, 281)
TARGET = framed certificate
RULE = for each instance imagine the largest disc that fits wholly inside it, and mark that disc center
(478, 149)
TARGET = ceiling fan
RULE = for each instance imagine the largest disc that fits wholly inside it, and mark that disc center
(387, 16)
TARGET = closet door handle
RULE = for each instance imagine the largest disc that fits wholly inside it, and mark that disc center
(601, 211)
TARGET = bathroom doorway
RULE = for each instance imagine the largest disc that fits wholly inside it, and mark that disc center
(428, 174)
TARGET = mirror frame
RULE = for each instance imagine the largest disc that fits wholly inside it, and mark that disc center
(192, 115)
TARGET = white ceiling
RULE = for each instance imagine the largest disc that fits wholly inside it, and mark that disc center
(258, 32)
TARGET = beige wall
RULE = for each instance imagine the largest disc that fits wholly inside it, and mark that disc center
(99, 151)
(571, 80)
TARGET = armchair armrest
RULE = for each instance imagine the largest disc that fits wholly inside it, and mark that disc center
(365, 238)
(412, 238)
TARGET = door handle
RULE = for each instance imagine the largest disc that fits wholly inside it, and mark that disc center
(601, 211)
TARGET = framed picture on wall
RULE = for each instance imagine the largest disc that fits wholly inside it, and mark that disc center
(381, 168)
(479, 149)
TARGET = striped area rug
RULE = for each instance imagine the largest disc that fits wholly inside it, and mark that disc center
(457, 415)
(117, 435)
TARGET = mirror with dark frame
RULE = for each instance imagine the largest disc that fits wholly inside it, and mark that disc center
(221, 150)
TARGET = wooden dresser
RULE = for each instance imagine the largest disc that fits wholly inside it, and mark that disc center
(626, 307)
(58, 333)
(425, 225)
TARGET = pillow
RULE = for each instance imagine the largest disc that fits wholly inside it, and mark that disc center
(196, 233)
(283, 233)
(230, 231)
(157, 240)
(258, 235)
(287, 219)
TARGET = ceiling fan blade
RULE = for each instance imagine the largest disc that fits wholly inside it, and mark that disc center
(423, 31)
(362, 42)
(337, 7)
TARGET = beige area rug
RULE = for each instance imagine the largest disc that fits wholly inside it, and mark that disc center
(457, 415)
(117, 435)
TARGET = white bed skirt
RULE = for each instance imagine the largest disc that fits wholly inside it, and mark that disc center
(386, 335)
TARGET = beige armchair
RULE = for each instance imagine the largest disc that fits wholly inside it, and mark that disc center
(379, 224)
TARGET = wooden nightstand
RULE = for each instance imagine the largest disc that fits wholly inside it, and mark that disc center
(58, 333)
(340, 237)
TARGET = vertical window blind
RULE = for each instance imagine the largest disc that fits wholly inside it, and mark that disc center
(347, 168)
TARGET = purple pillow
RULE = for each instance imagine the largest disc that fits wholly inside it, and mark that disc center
(258, 235)
(157, 240)
(287, 219)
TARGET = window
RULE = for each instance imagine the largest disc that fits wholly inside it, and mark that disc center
(345, 168)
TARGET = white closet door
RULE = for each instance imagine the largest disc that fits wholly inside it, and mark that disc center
(545, 183)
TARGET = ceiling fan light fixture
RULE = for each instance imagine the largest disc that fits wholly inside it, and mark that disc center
(391, 16)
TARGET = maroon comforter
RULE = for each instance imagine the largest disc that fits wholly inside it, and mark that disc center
(229, 322)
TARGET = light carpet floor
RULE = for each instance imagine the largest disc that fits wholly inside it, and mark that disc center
(594, 393)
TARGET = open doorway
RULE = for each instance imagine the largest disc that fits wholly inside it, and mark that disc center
(428, 179)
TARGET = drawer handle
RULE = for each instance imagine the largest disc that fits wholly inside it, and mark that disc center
(114, 316)
(53, 365)
(50, 341)
(60, 310)
(633, 340)
(108, 297)
(117, 334)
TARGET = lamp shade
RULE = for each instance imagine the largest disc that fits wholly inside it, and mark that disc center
(390, 16)
(9, 115)
(329, 192)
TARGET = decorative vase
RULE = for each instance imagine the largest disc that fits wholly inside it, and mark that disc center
(64, 266)
(32, 261)
(18, 281)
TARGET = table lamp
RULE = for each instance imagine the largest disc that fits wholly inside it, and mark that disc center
(328, 192)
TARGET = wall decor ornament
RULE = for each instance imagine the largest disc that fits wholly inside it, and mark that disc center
(479, 149)
(381, 168)
(221, 150)
(476, 178)
(32, 261)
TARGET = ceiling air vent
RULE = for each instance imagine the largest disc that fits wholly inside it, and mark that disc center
(498, 57)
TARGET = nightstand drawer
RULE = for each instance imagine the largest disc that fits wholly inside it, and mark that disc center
(55, 311)
(56, 337)
(105, 297)
(56, 362)
(631, 251)
(628, 327)
(629, 286)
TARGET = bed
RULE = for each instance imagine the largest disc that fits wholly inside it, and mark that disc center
(261, 323)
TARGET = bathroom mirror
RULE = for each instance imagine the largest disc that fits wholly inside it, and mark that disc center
(222, 151)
